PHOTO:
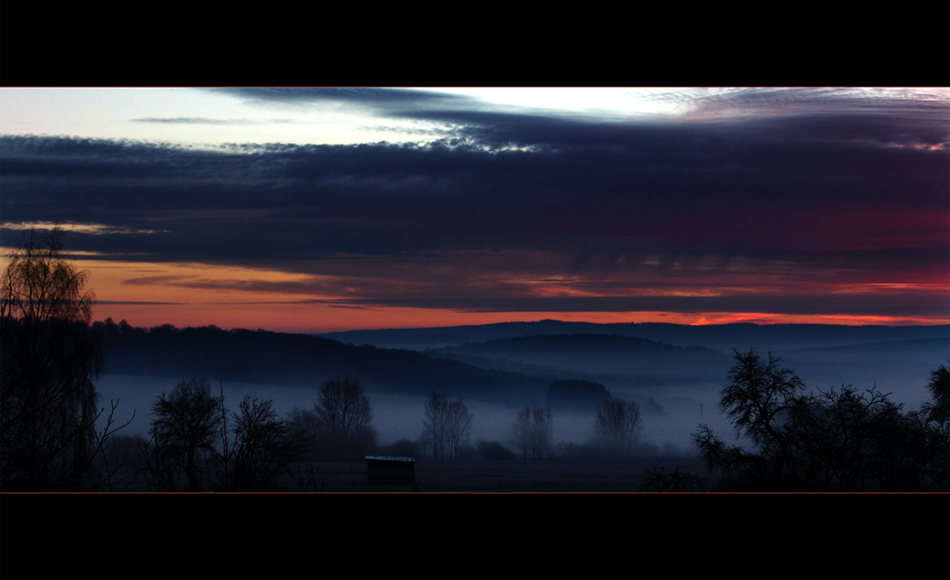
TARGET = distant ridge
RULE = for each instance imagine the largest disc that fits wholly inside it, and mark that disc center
(717, 336)
(480, 365)
(296, 359)
(577, 344)
(634, 361)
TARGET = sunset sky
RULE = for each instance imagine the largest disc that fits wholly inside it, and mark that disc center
(327, 209)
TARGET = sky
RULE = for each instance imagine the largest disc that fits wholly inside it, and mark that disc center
(328, 209)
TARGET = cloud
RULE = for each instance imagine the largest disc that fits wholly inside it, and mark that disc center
(382, 101)
(92, 229)
(831, 193)
(884, 304)
(206, 121)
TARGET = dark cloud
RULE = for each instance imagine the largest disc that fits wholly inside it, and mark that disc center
(859, 195)
(383, 101)
(888, 304)
(909, 117)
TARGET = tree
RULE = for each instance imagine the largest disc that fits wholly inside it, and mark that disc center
(762, 398)
(195, 435)
(543, 432)
(757, 392)
(757, 396)
(344, 413)
(617, 424)
(533, 430)
(521, 431)
(446, 426)
(838, 440)
(264, 446)
(50, 358)
(338, 427)
(939, 387)
(343, 407)
(185, 429)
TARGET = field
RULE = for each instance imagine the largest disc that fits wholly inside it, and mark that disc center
(550, 475)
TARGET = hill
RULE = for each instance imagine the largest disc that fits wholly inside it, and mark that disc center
(292, 359)
(723, 337)
(600, 357)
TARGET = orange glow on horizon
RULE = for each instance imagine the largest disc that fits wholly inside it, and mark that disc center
(152, 294)
(843, 319)
(320, 318)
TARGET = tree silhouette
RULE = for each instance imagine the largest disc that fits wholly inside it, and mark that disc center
(939, 387)
(338, 427)
(194, 434)
(521, 431)
(343, 407)
(446, 426)
(264, 447)
(839, 439)
(185, 432)
(757, 393)
(532, 431)
(617, 424)
(50, 358)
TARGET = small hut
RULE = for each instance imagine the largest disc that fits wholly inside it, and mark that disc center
(392, 470)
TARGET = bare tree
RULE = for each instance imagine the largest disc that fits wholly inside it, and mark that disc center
(618, 424)
(521, 431)
(195, 435)
(264, 447)
(759, 396)
(543, 432)
(759, 392)
(533, 430)
(343, 407)
(185, 430)
(344, 412)
(48, 401)
(459, 427)
(338, 427)
(834, 440)
(433, 425)
(446, 426)
(939, 387)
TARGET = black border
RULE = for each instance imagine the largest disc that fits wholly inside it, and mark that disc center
(582, 535)
(480, 535)
(357, 44)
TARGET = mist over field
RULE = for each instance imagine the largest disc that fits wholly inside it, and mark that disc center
(676, 386)
(400, 416)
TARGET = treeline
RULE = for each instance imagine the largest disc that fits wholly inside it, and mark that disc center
(716, 336)
(840, 439)
(196, 443)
